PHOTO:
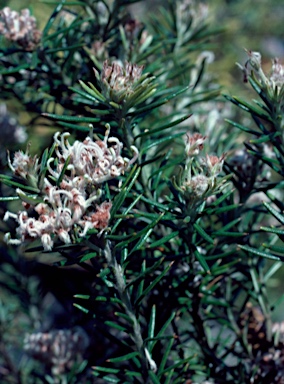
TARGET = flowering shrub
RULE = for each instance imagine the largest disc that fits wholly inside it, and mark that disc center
(144, 256)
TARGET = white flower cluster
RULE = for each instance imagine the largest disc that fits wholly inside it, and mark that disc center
(68, 204)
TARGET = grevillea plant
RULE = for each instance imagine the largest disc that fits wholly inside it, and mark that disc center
(138, 246)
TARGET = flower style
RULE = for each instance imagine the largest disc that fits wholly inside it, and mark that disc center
(20, 28)
(68, 206)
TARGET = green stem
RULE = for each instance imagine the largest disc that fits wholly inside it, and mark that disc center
(125, 298)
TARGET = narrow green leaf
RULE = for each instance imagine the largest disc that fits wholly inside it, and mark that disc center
(111, 379)
(203, 234)
(144, 238)
(88, 256)
(274, 248)
(223, 197)
(157, 103)
(245, 129)
(8, 181)
(163, 329)
(10, 198)
(163, 240)
(165, 357)
(152, 285)
(256, 252)
(86, 95)
(179, 363)
(151, 327)
(63, 49)
(274, 212)
(128, 356)
(14, 69)
(150, 132)
(52, 18)
(124, 316)
(81, 308)
(272, 270)
(119, 199)
(169, 377)
(202, 261)
(77, 119)
(160, 141)
(229, 234)
(277, 231)
(112, 324)
(222, 209)
(106, 370)
(83, 297)
(92, 91)
(76, 127)
(153, 377)
(62, 173)
(145, 272)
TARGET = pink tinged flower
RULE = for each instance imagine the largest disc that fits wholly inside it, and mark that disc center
(193, 143)
(98, 219)
(214, 164)
(77, 213)
(63, 218)
(23, 165)
(42, 209)
(63, 235)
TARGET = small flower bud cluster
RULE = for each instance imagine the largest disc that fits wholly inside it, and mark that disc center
(65, 207)
(59, 350)
(200, 177)
(118, 82)
(20, 28)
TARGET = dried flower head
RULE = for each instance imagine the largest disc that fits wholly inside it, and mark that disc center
(68, 207)
(20, 28)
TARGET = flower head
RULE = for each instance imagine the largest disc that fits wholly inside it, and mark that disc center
(69, 205)
(118, 82)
